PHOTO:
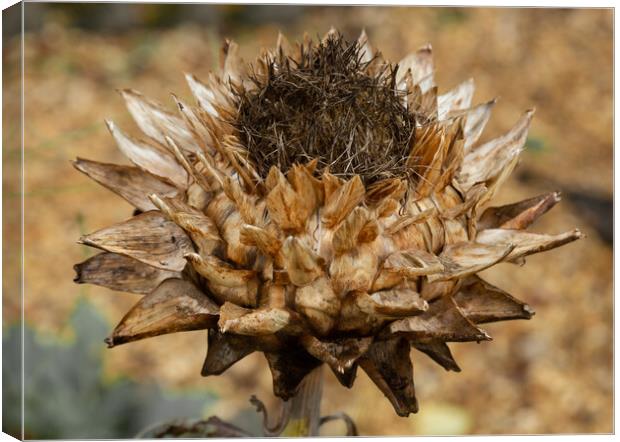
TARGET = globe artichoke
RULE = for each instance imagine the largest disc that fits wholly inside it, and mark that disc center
(321, 206)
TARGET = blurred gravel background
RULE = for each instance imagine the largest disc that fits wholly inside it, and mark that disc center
(549, 375)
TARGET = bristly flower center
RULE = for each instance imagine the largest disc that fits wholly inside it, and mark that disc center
(329, 105)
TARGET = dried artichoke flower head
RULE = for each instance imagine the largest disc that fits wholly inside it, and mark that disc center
(320, 205)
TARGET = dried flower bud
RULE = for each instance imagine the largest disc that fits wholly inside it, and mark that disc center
(322, 206)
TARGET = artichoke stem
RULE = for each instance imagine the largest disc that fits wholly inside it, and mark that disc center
(304, 409)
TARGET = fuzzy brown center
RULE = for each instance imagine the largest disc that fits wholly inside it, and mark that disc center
(327, 104)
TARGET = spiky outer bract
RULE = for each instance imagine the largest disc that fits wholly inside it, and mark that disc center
(256, 222)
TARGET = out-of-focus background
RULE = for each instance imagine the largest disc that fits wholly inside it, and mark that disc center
(552, 374)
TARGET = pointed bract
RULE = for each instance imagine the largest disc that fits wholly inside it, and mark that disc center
(347, 376)
(131, 183)
(303, 265)
(155, 121)
(342, 201)
(339, 354)
(457, 99)
(442, 322)
(518, 216)
(200, 228)
(421, 65)
(440, 353)
(204, 96)
(487, 161)
(475, 121)
(149, 158)
(481, 302)
(388, 364)
(288, 369)
(225, 282)
(398, 303)
(265, 321)
(366, 52)
(149, 238)
(176, 305)
(224, 350)
(118, 272)
(463, 259)
(525, 243)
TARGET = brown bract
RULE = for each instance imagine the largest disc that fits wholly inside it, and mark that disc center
(321, 206)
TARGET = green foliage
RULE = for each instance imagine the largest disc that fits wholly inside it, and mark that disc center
(451, 16)
(65, 395)
(536, 144)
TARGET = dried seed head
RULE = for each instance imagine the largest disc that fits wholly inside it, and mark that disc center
(242, 230)
(326, 102)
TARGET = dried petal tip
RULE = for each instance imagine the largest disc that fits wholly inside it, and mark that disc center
(388, 364)
(518, 215)
(131, 183)
(440, 353)
(175, 305)
(118, 272)
(224, 350)
(481, 302)
(149, 238)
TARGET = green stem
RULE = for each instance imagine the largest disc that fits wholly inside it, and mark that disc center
(304, 409)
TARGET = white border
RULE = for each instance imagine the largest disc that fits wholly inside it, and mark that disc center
(522, 3)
